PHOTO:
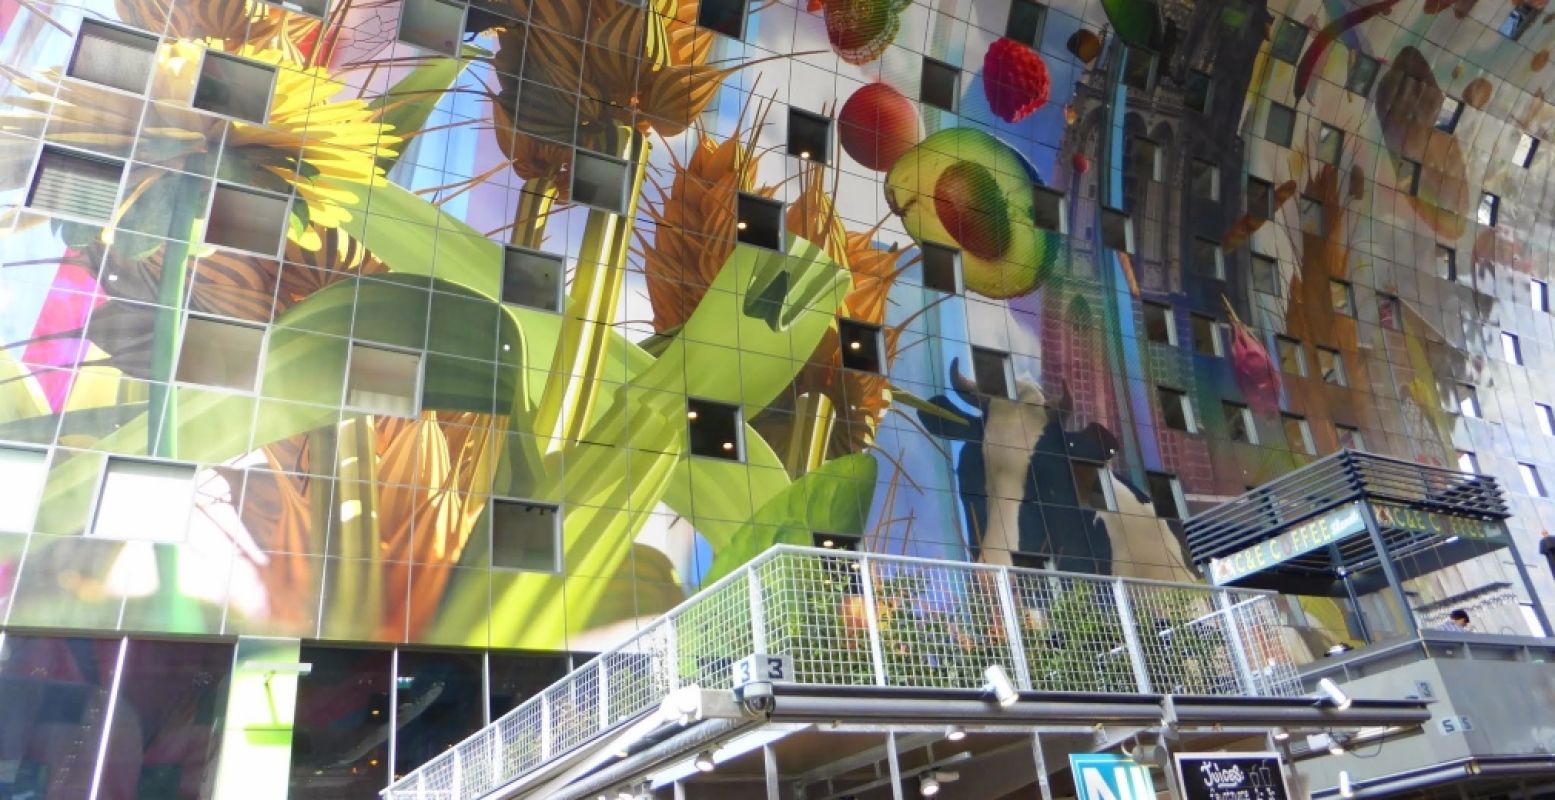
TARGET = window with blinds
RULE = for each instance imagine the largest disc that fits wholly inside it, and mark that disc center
(74, 183)
(113, 56)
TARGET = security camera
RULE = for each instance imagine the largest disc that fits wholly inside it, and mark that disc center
(756, 697)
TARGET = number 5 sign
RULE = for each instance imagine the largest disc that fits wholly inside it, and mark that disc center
(762, 668)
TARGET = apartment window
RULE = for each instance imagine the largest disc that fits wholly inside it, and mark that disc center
(1408, 176)
(991, 372)
(1176, 413)
(1260, 198)
(1117, 230)
(1289, 37)
(1199, 91)
(1239, 423)
(1266, 275)
(1298, 434)
(383, 382)
(713, 429)
(1546, 416)
(1489, 209)
(1511, 348)
(235, 87)
(532, 279)
(1309, 210)
(1093, 487)
(1448, 115)
(1330, 144)
(113, 56)
(1143, 158)
(1206, 335)
(1390, 312)
(1468, 462)
(760, 221)
(1531, 480)
(1280, 126)
(1048, 209)
(220, 353)
(599, 181)
(1204, 179)
(724, 16)
(1293, 359)
(941, 85)
(1519, 20)
(1159, 325)
(1540, 295)
(1024, 24)
(1342, 296)
(1330, 363)
(433, 24)
(525, 535)
(836, 541)
(941, 267)
(1139, 69)
(1208, 260)
(146, 501)
(1363, 72)
(1468, 400)
(73, 183)
(809, 136)
(246, 219)
(22, 473)
(1447, 263)
(862, 346)
(1522, 155)
(1349, 438)
(1166, 495)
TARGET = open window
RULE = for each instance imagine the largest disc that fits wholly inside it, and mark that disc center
(1199, 91)
(1330, 144)
(433, 24)
(1117, 230)
(1093, 485)
(1362, 74)
(1160, 327)
(1048, 209)
(862, 346)
(1448, 115)
(723, 16)
(941, 267)
(1293, 359)
(113, 56)
(941, 87)
(1539, 295)
(142, 500)
(1298, 434)
(1176, 412)
(1208, 260)
(1025, 21)
(1204, 179)
(1349, 437)
(1341, 296)
(246, 219)
(1166, 495)
(836, 541)
(22, 473)
(1532, 482)
(1239, 422)
(1290, 37)
(1546, 414)
(525, 535)
(383, 381)
(599, 181)
(1266, 275)
(1489, 209)
(1330, 363)
(1206, 335)
(76, 184)
(1522, 154)
(759, 221)
(991, 372)
(234, 87)
(1467, 399)
(714, 429)
(1511, 348)
(1280, 125)
(218, 352)
(532, 279)
(809, 136)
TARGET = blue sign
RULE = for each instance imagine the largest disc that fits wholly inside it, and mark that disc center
(1104, 776)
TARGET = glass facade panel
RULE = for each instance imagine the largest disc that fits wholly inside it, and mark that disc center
(54, 692)
(340, 748)
(167, 721)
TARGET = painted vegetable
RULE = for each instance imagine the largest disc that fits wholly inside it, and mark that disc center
(877, 125)
(1015, 80)
(1255, 372)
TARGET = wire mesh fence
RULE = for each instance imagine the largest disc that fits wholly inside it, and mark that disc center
(851, 619)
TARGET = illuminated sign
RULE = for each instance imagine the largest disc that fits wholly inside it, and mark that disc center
(1417, 521)
(1304, 538)
(1104, 776)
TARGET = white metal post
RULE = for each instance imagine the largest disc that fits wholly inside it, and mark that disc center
(872, 617)
(1136, 653)
(545, 725)
(604, 691)
(895, 767)
(671, 653)
(1244, 667)
(769, 762)
(1012, 628)
(458, 781)
(758, 613)
(1041, 759)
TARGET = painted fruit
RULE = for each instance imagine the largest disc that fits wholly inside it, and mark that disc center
(966, 188)
(1015, 80)
(861, 30)
(1085, 45)
(1254, 370)
(1082, 164)
(1477, 93)
(877, 125)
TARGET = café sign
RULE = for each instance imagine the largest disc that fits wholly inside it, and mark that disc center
(1311, 535)
(1415, 520)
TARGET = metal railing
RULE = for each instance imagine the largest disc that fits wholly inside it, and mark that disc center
(852, 619)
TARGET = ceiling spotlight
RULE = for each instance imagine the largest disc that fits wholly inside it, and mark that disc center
(1333, 694)
(728, 445)
(1335, 745)
(828, 543)
(1000, 684)
(1346, 788)
(1339, 649)
(1280, 734)
(928, 786)
(955, 733)
(804, 154)
(704, 761)
(740, 224)
(854, 345)
(692, 414)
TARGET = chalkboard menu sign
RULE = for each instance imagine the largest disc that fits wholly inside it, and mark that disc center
(1231, 776)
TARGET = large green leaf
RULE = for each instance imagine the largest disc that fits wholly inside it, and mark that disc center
(415, 237)
(719, 496)
(408, 104)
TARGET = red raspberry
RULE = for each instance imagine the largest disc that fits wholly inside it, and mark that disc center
(1015, 80)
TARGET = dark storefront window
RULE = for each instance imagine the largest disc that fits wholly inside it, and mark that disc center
(439, 698)
(516, 677)
(167, 722)
(53, 700)
(340, 747)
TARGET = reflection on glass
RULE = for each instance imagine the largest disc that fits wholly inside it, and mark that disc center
(167, 722)
(516, 677)
(439, 697)
(53, 701)
(340, 746)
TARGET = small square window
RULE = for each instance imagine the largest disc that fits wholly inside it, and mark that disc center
(1330, 363)
(1139, 69)
(1204, 179)
(1024, 24)
(1447, 116)
(1342, 296)
(433, 24)
(1349, 438)
(525, 535)
(1390, 312)
(1330, 144)
(1143, 159)
(1511, 348)
(1522, 155)
(941, 85)
(1117, 230)
(1266, 275)
(809, 136)
(1546, 416)
(235, 87)
(245, 219)
(1166, 495)
(941, 267)
(1048, 209)
(1199, 91)
(836, 541)
(113, 56)
(1468, 400)
(1518, 20)
(1289, 38)
(714, 429)
(383, 382)
(1531, 480)
(1260, 199)
(760, 221)
(73, 183)
(1208, 260)
(220, 353)
(724, 16)
(1447, 264)
(1239, 423)
(1176, 413)
(532, 279)
(316, 8)
(1489, 209)
(1298, 434)
(1092, 485)
(1311, 210)
(1293, 360)
(1408, 176)
(143, 501)
(861, 345)
(22, 473)
(1280, 126)
(1206, 335)
(1539, 292)
(599, 181)
(1159, 325)
(1468, 462)
(991, 372)
(1363, 72)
